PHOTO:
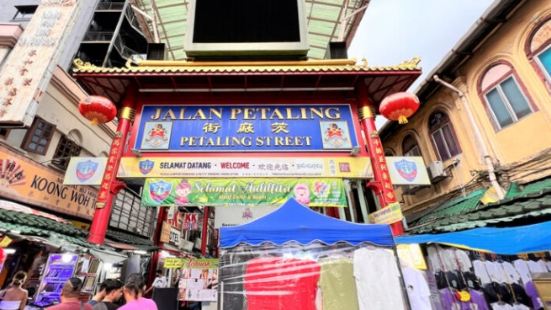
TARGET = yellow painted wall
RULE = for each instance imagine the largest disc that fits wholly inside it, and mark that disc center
(510, 146)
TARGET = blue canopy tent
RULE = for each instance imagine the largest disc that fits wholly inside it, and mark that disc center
(295, 222)
(505, 241)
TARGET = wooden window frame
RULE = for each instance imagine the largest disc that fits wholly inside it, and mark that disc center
(27, 140)
(505, 99)
(414, 147)
(440, 128)
(65, 159)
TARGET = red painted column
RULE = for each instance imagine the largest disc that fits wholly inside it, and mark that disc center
(205, 231)
(381, 184)
(110, 186)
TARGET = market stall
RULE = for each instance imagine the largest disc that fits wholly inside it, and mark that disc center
(296, 258)
(492, 267)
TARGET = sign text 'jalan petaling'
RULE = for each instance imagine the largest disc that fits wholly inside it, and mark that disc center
(238, 128)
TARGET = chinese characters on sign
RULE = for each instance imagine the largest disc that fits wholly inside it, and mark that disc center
(225, 167)
(32, 59)
(109, 177)
(246, 128)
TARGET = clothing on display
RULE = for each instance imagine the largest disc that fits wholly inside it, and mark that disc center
(337, 284)
(417, 289)
(281, 283)
(377, 279)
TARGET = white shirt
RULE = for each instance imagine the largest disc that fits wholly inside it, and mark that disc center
(511, 274)
(495, 271)
(377, 280)
(449, 259)
(481, 272)
(536, 267)
(434, 261)
(522, 267)
(504, 306)
(417, 288)
(464, 260)
(160, 282)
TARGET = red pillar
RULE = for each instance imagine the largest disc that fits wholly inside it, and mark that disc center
(205, 231)
(381, 184)
(110, 186)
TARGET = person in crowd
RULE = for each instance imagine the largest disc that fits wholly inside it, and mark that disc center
(113, 293)
(99, 295)
(160, 282)
(70, 297)
(133, 291)
(14, 297)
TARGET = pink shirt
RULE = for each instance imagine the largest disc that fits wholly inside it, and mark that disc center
(72, 305)
(140, 304)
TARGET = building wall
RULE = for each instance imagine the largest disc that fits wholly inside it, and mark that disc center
(519, 149)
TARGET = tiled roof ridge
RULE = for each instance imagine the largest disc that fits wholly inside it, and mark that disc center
(331, 65)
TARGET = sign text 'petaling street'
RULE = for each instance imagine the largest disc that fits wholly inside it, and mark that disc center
(246, 128)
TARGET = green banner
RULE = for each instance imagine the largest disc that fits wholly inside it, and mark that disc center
(243, 192)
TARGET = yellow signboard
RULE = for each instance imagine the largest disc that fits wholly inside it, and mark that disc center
(411, 255)
(391, 214)
(234, 167)
(24, 180)
(5, 242)
(174, 263)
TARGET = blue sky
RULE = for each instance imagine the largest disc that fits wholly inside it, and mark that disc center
(395, 30)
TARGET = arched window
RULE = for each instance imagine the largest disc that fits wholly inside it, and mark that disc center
(505, 99)
(538, 49)
(410, 146)
(443, 135)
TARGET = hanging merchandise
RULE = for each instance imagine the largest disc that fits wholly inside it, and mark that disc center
(198, 280)
(296, 258)
(378, 278)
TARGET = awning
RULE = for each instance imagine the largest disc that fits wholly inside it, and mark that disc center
(297, 223)
(505, 241)
(109, 257)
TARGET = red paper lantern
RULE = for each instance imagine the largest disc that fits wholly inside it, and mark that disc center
(2, 257)
(98, 110)
(399, 106)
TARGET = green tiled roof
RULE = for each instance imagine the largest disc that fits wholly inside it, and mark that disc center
(454, 207)
(531, 200)
(36, 225)
(56, 232)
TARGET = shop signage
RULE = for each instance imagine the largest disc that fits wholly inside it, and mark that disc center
(411, 256)
(239, 215)
(407, 170)
(5, 242)
(243, 192)
(199, 280)
(85, 171)
(228, 167)
(26, 181)
(173, 263)
(165, 233)
(174, 237)
(27, 70)
(391, 214)
(191, 221)
(275, 128)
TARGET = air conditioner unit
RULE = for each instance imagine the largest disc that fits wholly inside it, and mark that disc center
(437, 172)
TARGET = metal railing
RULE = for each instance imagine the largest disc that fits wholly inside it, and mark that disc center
(98, 36)
(124, 50)
(115, 6)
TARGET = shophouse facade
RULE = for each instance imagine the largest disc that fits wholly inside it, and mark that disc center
(484, 127)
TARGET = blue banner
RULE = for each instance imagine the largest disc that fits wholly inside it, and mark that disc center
(181, 128)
